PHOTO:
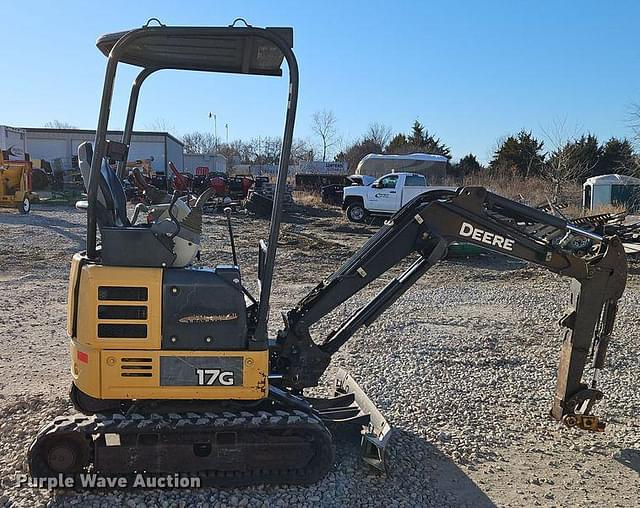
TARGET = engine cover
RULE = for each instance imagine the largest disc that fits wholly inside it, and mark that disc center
(203, 309)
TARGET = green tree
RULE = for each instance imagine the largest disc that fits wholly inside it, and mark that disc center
(519, 155)
(397, 144)
(586, 152)
(418, 140)
(617, 157)
(354, 153)
(417, 136)
(574, 160)
(468, 165)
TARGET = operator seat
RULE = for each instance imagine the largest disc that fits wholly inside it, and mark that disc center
(111, 208)
(171, 240)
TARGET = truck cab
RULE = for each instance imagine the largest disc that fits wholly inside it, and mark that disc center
(384, 196)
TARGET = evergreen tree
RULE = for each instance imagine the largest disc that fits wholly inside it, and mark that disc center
(397, 143)
(587, 152)
(468, 165)
(354, 154)
(575, 160)
(617, 157)
(417, 136)
(519, 155)
(419, 140)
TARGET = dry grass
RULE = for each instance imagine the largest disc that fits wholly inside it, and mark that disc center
(307, 198)
(536, 192)
(532, 191)
(609, 209)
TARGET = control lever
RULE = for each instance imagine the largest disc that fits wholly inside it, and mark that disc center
(227, 212)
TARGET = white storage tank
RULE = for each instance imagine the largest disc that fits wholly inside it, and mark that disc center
(611, 190)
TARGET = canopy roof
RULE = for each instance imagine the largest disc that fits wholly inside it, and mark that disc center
(244, 50)
(409, 156)
(612, 180)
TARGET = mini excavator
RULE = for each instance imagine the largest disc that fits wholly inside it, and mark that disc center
(173, 367)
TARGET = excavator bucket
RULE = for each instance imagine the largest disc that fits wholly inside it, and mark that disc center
(351, 407)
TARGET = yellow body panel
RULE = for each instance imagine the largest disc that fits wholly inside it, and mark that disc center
(255, 367)
(86, 376)
(71, 301)
(129, 367)
(100, 375)
(88, 323)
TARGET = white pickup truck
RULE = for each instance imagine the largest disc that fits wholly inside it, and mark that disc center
(384, 196)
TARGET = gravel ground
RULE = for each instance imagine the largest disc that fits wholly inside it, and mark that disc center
(463, 367)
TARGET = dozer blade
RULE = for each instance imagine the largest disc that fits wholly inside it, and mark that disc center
(351, 406)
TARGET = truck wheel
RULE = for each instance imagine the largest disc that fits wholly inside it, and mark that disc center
(25, 206)
(356, 212)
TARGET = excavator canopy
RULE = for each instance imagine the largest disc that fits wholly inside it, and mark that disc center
(213, 49)
(228, 49)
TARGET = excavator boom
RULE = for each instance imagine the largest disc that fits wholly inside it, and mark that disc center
(427, 226)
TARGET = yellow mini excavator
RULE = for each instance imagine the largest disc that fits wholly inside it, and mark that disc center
(173, 369)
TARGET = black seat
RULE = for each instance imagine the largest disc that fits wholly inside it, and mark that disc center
(122, 244)
(112, 201)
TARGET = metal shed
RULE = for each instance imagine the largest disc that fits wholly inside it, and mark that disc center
(608, 190)
(62, 144)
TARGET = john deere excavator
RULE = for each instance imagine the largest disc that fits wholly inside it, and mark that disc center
(173, 367)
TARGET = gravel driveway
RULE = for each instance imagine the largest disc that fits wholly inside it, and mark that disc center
(463, 367)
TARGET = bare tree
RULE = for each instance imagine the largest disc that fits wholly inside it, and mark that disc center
(324, 125)
(200, 143)
(566, 162)
(160, 125)
(57, 124)
(379, 133)
(301, 150)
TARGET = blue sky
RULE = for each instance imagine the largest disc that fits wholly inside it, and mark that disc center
(472, 72)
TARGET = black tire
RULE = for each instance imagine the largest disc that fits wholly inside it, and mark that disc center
(356, 213)
(25, 206)
(63, 454)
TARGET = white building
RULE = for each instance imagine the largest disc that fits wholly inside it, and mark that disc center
(62, 145)
(213, 163)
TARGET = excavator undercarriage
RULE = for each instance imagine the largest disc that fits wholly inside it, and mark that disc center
(173, 366)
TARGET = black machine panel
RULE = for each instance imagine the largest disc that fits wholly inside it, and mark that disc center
(203, 309)
(201, 371)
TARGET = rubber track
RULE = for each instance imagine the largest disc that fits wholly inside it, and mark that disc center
(196, 422)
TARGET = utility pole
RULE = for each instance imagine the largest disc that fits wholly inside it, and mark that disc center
(215, 129)
(226, 126)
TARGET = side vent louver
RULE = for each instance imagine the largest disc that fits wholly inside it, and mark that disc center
(120, 316)
(122, 293)
(136, 367)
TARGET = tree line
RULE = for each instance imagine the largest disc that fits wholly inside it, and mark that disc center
(259, 150)
(557, 158)
(519, 155)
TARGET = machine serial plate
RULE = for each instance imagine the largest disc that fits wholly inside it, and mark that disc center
(200, 371)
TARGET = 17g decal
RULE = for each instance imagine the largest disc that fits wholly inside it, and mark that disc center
(208, 377)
